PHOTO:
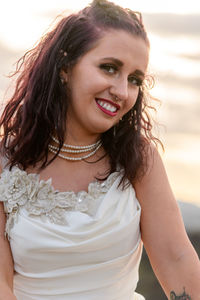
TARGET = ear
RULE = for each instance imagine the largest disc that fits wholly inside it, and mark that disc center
(63, 76)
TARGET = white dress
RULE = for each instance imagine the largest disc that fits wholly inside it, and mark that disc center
(68, 246)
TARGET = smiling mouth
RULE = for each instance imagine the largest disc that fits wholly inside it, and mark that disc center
(107, 107)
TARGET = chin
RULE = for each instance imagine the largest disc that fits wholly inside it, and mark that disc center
(103, 129)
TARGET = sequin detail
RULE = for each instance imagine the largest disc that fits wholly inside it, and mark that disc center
(19, 189)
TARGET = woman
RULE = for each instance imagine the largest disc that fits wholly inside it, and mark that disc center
(80, 176)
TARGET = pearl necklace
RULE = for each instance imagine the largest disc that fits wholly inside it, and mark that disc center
(74, 149)
(77, 147)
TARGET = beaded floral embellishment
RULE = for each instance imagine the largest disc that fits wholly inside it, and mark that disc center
(20, 189)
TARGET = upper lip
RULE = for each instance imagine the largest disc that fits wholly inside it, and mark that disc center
(109, 101)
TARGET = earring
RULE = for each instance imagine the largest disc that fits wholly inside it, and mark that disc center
(62, 80)
(63, 76)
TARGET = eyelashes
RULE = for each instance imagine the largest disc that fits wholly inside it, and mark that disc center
(135, 80)
(111, 69)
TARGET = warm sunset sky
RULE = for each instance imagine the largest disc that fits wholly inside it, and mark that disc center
(22, 21)
(174, 31)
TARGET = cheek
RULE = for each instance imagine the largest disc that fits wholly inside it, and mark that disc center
(133, 98)
(96, 80)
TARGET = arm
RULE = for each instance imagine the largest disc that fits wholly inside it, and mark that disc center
(6, 262)
(171, 254)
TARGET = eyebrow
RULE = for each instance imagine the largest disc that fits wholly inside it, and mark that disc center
(119, 63)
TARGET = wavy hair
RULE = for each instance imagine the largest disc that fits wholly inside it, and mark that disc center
(38, 107)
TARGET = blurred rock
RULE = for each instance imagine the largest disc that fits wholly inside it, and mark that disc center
(191, 217)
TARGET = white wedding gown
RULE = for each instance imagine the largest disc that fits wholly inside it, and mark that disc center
(68, 246)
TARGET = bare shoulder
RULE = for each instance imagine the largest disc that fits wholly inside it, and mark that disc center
(161, 221)
(154, 186)
(6, 262)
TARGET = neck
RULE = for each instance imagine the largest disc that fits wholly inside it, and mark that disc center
(81, 140)
(77, 134)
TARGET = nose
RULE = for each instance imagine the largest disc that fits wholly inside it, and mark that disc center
(119, 89)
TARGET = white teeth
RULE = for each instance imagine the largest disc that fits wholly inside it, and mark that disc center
(107, 106)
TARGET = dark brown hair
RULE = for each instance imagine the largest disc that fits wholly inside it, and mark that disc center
(38, 107)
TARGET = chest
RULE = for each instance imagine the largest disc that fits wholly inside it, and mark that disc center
(74, 176)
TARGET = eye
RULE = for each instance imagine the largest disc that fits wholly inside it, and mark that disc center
(134, 80)
(108, 68)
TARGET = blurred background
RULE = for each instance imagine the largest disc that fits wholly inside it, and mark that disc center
(174, 32)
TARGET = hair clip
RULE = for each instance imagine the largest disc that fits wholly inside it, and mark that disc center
(63, 52)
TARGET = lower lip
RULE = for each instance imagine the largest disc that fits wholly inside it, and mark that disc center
(112, 114)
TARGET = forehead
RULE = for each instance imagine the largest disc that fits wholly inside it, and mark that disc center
(131, 50)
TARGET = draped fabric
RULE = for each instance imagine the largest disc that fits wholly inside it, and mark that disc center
(67, 246)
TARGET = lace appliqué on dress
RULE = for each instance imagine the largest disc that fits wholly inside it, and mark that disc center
(19, 189)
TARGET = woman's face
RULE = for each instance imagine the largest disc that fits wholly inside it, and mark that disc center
(104, 83)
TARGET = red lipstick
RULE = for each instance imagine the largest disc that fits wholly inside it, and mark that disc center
(106, 111)
(109, 101)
